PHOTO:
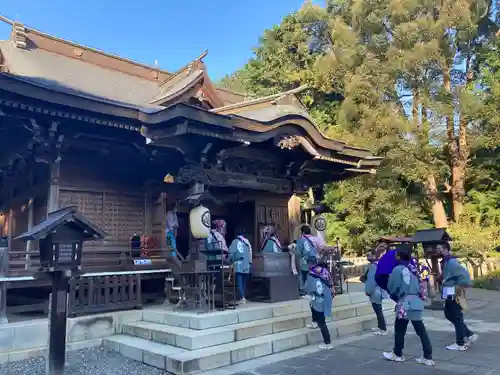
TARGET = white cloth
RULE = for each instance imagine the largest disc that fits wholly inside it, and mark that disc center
(172, 221)
(448, 291)
(245, 240)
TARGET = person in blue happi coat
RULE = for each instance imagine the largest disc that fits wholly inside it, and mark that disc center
(240, 251)
(375, 293)
(319, 287)
(270, 242)
(406, 288)
(455, 280)
(306, 252)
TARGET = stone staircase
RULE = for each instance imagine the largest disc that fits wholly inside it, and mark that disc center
(186, 342)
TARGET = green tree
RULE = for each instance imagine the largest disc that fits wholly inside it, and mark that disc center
(397, 77)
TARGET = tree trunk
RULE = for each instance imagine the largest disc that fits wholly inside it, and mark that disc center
(438, 211)
(459, 152)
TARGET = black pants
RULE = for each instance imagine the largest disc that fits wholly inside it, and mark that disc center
(319, 318)
(400, 327)
(377, 307)
(453, 312)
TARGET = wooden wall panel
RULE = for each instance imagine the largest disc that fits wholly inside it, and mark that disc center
(105, 197)
(273, 214)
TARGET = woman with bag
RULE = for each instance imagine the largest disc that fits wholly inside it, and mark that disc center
(406, 288)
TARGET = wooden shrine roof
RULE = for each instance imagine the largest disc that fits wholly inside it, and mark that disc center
(132, 95)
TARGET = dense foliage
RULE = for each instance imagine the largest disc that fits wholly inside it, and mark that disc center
(415, 81)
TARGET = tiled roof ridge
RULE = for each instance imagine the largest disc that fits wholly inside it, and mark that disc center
(263, 99)
(82, 47)
(197, 63)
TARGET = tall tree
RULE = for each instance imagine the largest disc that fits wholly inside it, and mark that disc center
(397, 77)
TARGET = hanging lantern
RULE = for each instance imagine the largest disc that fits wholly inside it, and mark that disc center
(199, 222)
(318, 226)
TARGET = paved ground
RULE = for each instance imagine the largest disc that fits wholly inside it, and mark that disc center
(358, 355)
(362, 354)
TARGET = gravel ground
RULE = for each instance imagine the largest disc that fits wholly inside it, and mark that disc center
(94, 361)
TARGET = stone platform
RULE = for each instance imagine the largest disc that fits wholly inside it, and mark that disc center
(187, 343)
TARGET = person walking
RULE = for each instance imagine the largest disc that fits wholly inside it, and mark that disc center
(376, 294)
(407, 290)
(455, 280)
(318, 286)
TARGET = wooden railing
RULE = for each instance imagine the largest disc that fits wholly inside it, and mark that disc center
(26, 263)
(88, 295)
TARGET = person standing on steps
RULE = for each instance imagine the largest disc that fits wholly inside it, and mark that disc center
(319, 287)
(239, 254)
(408, 291)
(171, 227)
(376, 295)
(270, 241)
(455, 280)
(306, 251)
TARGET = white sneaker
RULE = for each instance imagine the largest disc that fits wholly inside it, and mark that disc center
(425, 362)
(325, 346)
(390, 356)
(243, 301)
(457, 348)
(312, 325)
(380, 333)
(471, 339)
(375, 330)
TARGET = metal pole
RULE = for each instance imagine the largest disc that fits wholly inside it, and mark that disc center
(58, 309)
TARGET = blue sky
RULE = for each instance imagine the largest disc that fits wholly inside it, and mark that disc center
(172, 32)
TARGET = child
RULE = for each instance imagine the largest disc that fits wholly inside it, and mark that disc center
(455, 279)
(404, 286)
(318, 285)
(376, 295)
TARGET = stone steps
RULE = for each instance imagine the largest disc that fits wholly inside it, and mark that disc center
(245, 313)
(184, 362)
(191, 339)
(186, 342)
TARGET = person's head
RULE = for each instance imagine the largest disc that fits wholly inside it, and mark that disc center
(219, 226)
(381, 248)
(443, 249)
(172, 206)
(305, 229)
(270, 230)
(404, 255)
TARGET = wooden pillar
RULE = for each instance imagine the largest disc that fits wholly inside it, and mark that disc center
(148, 212)
(54, 180)
(4, 268)
(31, 223)
(294, 215)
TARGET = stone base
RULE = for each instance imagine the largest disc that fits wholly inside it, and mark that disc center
(185, 343)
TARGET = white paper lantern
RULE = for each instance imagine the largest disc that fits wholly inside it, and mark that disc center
(199, 222)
